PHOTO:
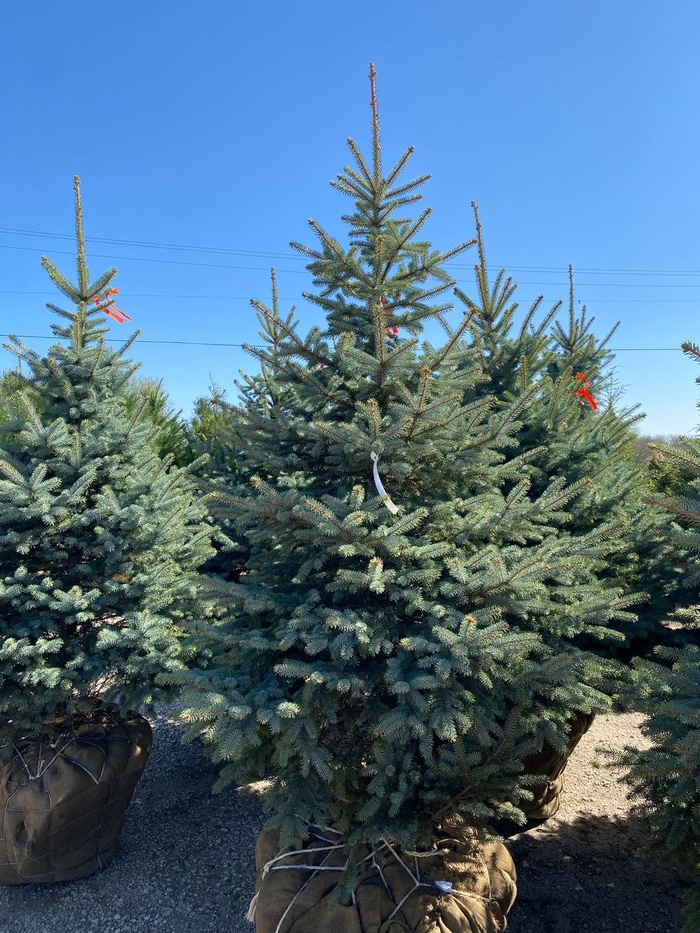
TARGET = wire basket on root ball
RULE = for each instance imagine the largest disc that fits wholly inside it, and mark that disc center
(463, 886)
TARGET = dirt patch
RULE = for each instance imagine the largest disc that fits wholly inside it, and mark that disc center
(587, 868)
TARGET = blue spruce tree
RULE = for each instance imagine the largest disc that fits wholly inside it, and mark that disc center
(576, 430)
(100, 538)
(666, 777)
(371, 660)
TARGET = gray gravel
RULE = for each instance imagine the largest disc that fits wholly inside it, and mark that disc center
(186, 858)
(185, 862)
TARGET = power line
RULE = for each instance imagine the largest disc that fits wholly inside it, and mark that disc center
(170, 262)
(142, 244)
(148, 245)
(197, 343)
(188, 343)
(215, 265)
(607, 301)
(135, 295)
(636, 301)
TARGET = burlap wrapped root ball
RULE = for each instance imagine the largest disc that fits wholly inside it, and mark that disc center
(63, 802)
(297, 900)
(547, 795)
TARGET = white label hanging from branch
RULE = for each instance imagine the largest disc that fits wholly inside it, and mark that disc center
(380, 488)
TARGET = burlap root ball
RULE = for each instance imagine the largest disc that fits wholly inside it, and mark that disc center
(63, 802)
(291, 900)
(547, 796)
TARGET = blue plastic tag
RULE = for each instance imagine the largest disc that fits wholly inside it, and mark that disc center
(445, 886)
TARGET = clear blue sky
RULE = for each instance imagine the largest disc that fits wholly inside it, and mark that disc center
(573, 125)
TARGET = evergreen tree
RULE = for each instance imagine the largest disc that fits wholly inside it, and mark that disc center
(214, 434)
(12, 385)
(210, 422)
(573, 431)
(100, 539)
(370, 661)
(665, 478)
(214, 428)
(666, 777)
(171, 435)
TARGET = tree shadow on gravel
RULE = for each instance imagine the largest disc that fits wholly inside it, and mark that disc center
(185, 862)
(594, 875)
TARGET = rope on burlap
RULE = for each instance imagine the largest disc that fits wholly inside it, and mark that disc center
(97, 813)
(43, 765)
(334, 847)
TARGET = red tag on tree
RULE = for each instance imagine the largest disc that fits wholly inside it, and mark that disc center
(116, 313)
(583, 391)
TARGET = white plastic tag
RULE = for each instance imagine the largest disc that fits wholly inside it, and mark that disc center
(380, 488)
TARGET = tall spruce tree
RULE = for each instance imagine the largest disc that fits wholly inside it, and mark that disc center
(666, 777)
(573, 436)
(100, 539)
(368, 663)
(214, 435)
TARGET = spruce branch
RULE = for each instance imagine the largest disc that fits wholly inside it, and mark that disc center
(396, 171)
(572, 316)
(691, 349)
(361, 162)
(376, 148)
(479, 236)
(396, 196)
(61, 282)
(83, 273)
(289, 330)
(307, 251)
(453, 343)
(98, 287)
(328, 241)
(347, 185)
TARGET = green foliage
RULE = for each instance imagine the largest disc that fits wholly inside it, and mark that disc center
(593, 449)
(389, 657)
(684, 509)
(171, 437)
(14, 384)
(100, 539)
(211, 432)
(667, 776)
(666, 477)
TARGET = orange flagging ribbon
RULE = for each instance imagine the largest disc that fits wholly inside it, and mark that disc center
(390, 331)
(583, 392)
(113, 312)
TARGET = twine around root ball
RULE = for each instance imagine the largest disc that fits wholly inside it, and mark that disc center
(335, 845)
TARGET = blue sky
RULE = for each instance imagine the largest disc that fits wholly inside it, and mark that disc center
(573, 125)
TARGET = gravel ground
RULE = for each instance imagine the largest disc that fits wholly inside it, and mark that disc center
(585, 868)
(185, 862)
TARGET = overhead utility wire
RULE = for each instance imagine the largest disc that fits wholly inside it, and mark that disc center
(144, 244)
(170, 262)
(607, 301)
(147, 245)
(197, 343)
(188, 343)
(215, 265)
